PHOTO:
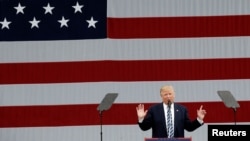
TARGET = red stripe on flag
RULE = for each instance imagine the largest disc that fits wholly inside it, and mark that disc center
(143, 70)
(175, 27)
(118, 114)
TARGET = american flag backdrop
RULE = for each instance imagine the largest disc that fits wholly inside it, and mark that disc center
(58, 59)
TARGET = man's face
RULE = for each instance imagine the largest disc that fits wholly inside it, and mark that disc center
(167, 94)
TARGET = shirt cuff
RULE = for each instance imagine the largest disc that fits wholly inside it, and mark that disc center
(140, 120)
(200, 121)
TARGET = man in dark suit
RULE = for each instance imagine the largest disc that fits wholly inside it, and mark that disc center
(156, 116)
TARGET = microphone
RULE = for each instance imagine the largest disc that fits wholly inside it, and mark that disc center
(169, 104)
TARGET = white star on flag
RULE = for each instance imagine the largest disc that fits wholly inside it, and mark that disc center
(63, 22)
(5, 23)
(78, 8)
(91, 22)
(34, 23)
(48, 9)
(19, 9)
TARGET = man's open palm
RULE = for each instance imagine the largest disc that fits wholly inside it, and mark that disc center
(140, 111)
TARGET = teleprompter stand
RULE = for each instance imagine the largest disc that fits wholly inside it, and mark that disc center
(106, 103)
(229, 101)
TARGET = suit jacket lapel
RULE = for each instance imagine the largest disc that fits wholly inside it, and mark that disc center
(163, 116)
(176, 115)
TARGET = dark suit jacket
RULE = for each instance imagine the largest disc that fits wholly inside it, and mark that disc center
(155, 119)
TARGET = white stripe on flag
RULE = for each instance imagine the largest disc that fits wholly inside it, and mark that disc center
(108, 49)
(129, 92)
(176, 8)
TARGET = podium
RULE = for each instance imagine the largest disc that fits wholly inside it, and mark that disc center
(168, 139)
